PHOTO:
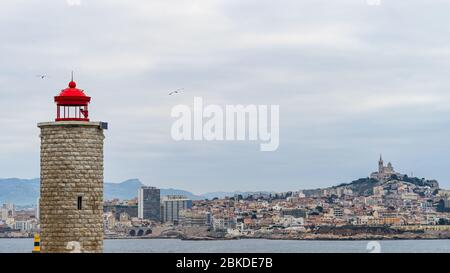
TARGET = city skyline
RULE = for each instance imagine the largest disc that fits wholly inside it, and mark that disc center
(384, 171)
(354, 82)
(388, 206)
(370, 174)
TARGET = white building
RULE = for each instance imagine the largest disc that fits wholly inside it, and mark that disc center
(219, 224)
(7, 211)
(24, 226)
(3, 214)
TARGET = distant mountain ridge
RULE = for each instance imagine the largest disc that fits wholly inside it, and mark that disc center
(128, 189)
(24, 192)
(19, 191)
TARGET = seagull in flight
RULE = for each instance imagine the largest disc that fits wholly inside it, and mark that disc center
(176, 91)
(42, 76)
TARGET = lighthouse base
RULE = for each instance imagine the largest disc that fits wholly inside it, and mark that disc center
(71, 192)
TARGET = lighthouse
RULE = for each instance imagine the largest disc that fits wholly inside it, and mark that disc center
(71, 190)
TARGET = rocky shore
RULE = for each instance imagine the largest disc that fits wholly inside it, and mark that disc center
(318, 233)
(305, 236)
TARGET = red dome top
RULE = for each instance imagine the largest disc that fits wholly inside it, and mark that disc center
(72, 96)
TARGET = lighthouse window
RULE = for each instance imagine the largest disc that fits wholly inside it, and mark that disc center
(80, 202)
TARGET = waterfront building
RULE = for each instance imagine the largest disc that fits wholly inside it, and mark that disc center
(220, 224)
(172, 205)
(149, 204)
(71, 190)
(24, 226)
(109, 220)
(192, 218)
(223, 221)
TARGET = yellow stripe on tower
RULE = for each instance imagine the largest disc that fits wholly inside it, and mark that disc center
(37, 242)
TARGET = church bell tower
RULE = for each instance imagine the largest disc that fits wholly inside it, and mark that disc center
(380, 165)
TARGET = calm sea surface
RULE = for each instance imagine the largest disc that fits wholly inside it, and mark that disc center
(248, 245)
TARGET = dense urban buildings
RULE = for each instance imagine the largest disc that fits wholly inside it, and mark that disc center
(17, 223)
(118, 207)
(395, 206)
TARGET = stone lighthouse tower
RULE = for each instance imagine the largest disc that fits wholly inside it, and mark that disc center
(71, 201)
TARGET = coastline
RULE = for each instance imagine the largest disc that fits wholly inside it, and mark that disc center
(255, 238)
(318, 238)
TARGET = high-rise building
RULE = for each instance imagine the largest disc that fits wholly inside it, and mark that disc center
(7, 211)
(9, 206)
(4, 213)
(149, 204)
(172, 205)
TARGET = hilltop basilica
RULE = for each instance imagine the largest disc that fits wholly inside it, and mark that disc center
(384, 171)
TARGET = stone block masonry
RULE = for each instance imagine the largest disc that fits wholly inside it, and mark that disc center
(71, 192)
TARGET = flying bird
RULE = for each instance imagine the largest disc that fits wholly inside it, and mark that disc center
(176, 91)
(42, 76)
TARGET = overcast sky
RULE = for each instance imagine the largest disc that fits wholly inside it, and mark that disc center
(352, 80)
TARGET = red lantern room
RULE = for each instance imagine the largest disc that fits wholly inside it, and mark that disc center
(72, 104)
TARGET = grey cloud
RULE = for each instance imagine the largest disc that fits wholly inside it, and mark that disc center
(351, 80)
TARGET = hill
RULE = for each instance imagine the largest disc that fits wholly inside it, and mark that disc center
(364, 186)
